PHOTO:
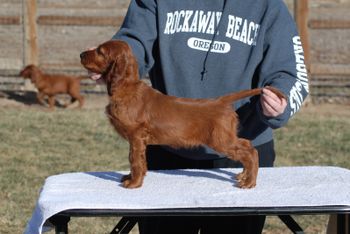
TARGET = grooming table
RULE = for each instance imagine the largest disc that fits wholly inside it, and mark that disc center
(280, 191)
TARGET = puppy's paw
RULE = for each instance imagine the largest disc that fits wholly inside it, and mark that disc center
(241, 176)
(246, 180)
(247, 184)
(130, 184)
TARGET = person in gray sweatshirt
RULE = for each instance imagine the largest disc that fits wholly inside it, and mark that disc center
(206, 49)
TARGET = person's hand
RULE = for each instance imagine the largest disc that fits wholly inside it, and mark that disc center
(271, 104)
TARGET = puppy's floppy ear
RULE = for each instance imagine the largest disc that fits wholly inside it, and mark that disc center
(35, 72)
(116, 71)
(122, 64)
(30, 71)
(118, 67)
(110, 77)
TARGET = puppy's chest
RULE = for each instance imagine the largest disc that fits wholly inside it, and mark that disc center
(120, 119)
(42, 85)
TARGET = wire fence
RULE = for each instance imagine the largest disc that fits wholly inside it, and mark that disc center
(52, 34)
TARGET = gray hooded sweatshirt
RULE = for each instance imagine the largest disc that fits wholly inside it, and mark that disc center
(209, 48)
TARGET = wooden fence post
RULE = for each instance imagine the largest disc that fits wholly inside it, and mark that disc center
(301, 14)
(30, 42)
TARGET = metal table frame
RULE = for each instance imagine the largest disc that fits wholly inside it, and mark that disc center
(130, 217)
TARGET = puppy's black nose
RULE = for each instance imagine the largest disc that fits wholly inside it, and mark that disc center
(82, 55)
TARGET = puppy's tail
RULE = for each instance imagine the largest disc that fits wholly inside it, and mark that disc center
(248, 93)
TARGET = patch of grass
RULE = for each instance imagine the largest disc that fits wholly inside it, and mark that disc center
(35, 144)
(315, 137)
(318, 135)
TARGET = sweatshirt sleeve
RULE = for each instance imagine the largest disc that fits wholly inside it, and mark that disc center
(283, 65)
(139, 30)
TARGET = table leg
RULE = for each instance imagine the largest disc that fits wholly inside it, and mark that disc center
(343, 224)
(124, 226)
(61, 223)
(291, 224)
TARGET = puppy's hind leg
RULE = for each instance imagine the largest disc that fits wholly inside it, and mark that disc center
(81, 101)
(68, 103)
(75, 94)
(242, 151)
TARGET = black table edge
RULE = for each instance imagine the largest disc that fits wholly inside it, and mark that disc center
(217, 211)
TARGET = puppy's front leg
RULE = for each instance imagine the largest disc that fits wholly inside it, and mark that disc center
(40, 98)
(138, 167)
(52, 102)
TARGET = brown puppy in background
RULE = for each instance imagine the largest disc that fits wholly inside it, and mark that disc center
(51, 85)
(143, 115)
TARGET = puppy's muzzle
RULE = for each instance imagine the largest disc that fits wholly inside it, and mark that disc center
(83, 54)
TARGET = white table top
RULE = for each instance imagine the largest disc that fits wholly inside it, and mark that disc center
(279, 187)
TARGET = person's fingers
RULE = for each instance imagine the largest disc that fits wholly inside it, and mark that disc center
(271, 104)
(268, 110)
